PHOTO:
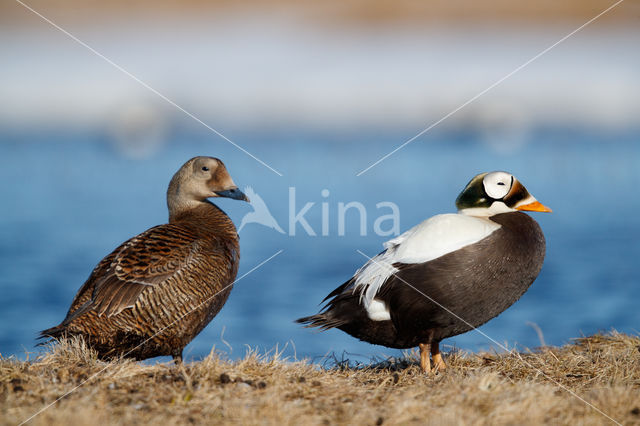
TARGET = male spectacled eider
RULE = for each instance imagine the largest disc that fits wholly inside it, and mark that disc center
(445, 276)
(152, 295)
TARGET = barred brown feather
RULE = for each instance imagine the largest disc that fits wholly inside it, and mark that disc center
(152, 295)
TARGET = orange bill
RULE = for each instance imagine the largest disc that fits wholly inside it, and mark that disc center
(536, 206)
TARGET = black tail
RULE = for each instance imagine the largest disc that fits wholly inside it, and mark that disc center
(324, 320)
(332, 315)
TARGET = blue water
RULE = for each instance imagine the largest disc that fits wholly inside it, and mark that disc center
(69, 197)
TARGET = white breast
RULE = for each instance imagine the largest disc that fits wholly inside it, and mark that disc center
(429, 240)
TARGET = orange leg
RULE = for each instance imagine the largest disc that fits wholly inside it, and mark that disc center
(425, 363)
(438, 362)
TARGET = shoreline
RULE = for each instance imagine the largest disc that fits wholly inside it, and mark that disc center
(593, 380)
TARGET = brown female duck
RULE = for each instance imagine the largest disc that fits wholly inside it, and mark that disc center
(152, 295)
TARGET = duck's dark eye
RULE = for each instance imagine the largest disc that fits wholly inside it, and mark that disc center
(205, 169)
(501, 183)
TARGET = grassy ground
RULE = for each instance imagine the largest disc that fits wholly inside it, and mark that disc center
(583, 383)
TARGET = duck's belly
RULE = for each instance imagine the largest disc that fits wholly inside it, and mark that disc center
(476, 297)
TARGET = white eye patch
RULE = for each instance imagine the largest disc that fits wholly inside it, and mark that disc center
(497, 184)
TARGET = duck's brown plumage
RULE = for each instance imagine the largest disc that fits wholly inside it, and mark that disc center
(152, 295)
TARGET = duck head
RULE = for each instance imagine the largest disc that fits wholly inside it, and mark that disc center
(198, 179)
(496, 192)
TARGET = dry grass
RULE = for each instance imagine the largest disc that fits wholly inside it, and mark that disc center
(511, 388)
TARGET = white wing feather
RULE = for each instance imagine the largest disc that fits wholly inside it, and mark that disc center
(426, 241)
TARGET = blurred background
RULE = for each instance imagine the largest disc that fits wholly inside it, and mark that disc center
(318, 91)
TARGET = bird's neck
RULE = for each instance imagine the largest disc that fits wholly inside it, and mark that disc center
(206, 216)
